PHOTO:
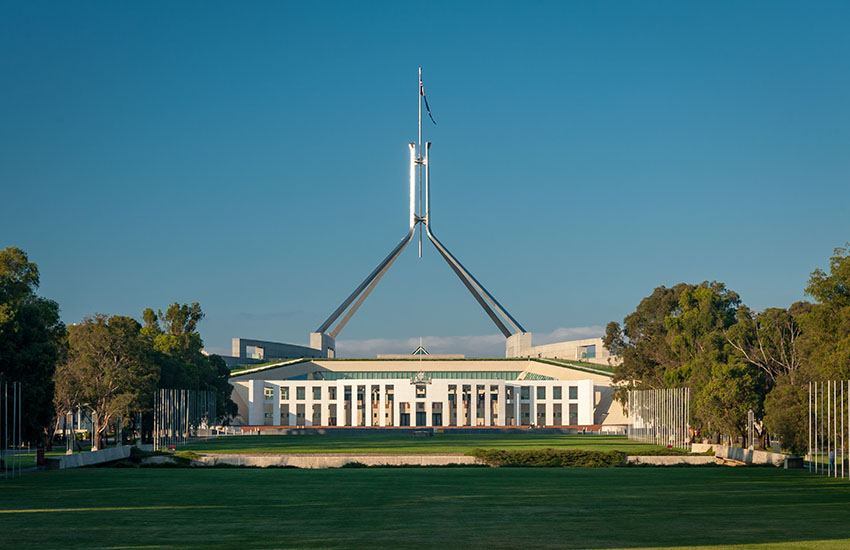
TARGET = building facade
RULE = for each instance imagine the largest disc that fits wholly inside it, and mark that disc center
(436, 393)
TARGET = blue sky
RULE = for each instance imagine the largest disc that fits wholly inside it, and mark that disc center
(252, 157)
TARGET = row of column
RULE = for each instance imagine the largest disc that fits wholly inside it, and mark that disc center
(404, 392)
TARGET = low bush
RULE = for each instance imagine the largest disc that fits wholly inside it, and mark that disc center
(550, 458)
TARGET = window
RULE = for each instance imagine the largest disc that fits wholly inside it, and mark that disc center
(523, 392)
(420, 392)
(284, 393)
(573, 414)
(573, 392)
(268, 393)
(541, 392)
(556, 392)
(317, 393)
(331, 392)
(299, 393)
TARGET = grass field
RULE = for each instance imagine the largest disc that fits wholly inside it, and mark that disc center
(388, 442)
(740, 508)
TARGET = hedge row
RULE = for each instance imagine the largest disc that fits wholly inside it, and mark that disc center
(552, 458)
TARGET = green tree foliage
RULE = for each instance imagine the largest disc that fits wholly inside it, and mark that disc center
(108, 369)
(643, 342)
(30, 331)
(677, 337)
(825, 343)
(770, 340)
(178, 349)
(786, 411)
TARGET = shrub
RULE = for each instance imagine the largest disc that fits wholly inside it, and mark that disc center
(550, 458)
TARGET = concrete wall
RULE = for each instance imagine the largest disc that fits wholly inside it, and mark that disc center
(334, 461)
(606, 410)
(517, 343)
(325, 343)
(572, 350)
(273, 350)
(78, 460)
(741, 455)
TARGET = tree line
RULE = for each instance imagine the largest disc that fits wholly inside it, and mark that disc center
(109, 365)
(735, 359)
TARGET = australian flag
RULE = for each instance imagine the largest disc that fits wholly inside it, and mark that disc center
(427, 108)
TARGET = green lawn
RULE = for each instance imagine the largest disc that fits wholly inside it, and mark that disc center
(388, 442)
(210, 508)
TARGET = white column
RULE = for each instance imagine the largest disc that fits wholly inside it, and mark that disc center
(292, 415)
(517, 409)
(550, 411)
(586, 400)
(532, 405)
(488, 406)
(461, 421)
(354, 409)
(325, 404)
(501, 402)
(276, 405)
(396, 405)
(255, 402)
(308, 404)
(428, 408)
(367, 404)
(382, 405)
(446, 403)
(340, 403)
(473, 404)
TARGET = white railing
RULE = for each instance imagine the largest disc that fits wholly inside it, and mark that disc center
(660, 417)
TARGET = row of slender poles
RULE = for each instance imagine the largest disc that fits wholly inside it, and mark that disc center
(178, 415)
(828, 405)
(15, 466)
(660, 416)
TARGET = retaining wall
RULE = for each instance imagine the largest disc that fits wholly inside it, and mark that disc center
(742, 455)
(78, 460)
(333, 460)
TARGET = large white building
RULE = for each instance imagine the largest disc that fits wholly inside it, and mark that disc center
(424, 393)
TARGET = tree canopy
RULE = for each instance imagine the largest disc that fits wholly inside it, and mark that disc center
(30, 331)
(108, 369)
(179, 353)
(734, 359)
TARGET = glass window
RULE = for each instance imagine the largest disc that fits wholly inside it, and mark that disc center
(573, 392)
(284, 393)
(331, 392)
(523, 393)
(317, 393)
(420, 391)
(556, 392)
(541, 392)
(268, 393)
(573, 420)
(299, 393)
